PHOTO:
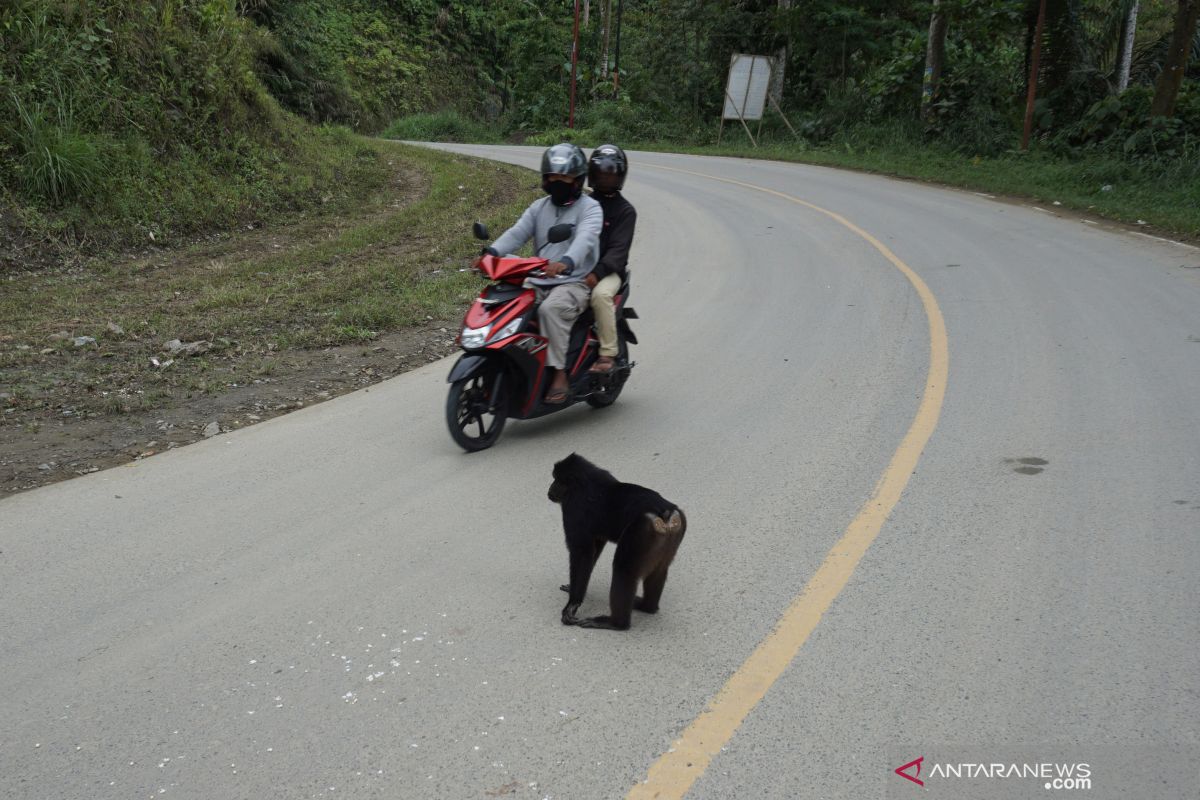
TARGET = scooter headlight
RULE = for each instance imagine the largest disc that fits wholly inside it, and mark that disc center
(474, 338)
(507, 331)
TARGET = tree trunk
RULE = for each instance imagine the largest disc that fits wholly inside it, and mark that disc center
(935, 55)
(617, 53)
(1167, 88)
(1060, 52)
(781, 59)
(606, 24)
(1035, 57)
(1125, 55)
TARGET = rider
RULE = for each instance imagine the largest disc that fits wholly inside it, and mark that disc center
(561, 291)
(606, 175)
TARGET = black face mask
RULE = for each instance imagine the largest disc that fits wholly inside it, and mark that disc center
(561, 194)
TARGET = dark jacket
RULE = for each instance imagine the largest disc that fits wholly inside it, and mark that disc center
(616, 236)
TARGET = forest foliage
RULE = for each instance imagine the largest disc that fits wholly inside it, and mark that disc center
(181, 113)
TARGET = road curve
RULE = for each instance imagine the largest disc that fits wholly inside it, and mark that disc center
(338, 603)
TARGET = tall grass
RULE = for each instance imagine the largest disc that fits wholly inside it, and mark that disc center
(442, 126)
(54, 159)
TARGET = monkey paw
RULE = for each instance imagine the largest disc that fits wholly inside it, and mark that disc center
(641, 605)
(602, 623)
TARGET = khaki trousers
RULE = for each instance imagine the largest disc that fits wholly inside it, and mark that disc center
(560, 307)
(606, 317)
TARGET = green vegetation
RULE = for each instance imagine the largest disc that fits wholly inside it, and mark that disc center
(137, 123)
(142, 123)
(443, 126)
(1164, 193)
(395, 260)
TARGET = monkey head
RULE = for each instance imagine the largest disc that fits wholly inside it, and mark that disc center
(567, 473)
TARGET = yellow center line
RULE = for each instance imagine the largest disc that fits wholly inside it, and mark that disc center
(673, 774)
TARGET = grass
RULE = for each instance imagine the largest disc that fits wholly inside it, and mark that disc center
(57, 160)
(442, 126)
(1164, 196)
(388, 260)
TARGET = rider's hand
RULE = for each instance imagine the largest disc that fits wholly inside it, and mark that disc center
(475, 264)
(553, 269)
(591, 280)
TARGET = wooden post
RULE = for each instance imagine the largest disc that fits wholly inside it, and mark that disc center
(741, 118)
(1035, 62)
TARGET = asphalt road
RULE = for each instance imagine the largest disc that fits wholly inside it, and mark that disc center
(340, 603)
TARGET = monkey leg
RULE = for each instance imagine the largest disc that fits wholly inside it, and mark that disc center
(599, 545)
(583, 561)
(620, 600)
(652, 589)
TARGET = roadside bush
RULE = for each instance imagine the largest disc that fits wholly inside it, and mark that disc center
(346, 63)
(1121, 126)
(974, 111)
(443, 126)
(144, 121)
(892, 87)
(55, 160)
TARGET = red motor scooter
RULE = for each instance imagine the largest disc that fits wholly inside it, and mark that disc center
(502, 372)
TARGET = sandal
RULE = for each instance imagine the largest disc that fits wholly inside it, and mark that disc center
(603, 365)
(555, 397)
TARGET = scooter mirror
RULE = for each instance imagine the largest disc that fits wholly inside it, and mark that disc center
(481, 232)
(560, 232)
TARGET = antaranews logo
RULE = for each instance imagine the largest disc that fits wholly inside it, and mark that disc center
(903, 771)
(1052, 775)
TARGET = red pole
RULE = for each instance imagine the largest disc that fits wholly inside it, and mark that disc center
(574, 61)
(1033, 75)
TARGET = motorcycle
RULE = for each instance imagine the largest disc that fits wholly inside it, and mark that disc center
(502, 372)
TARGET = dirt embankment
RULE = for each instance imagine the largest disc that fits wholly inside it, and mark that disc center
(105, 362)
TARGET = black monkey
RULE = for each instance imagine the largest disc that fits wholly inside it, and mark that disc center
(646, 527)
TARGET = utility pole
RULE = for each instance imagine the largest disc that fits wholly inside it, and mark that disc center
(1035, 63)
(574, 64)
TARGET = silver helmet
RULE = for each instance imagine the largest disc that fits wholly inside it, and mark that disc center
(564, 159)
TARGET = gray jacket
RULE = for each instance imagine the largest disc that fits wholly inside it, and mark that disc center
(579, 253)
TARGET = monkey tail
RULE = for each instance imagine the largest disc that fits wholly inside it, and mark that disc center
(671, 525)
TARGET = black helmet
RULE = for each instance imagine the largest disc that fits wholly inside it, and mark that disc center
(607, 168)
(564, 159)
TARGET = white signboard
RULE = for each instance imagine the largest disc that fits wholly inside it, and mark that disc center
(746, 90)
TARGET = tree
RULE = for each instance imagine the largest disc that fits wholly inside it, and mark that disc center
(935, 56)
(781, 56)
(1125, 52)
(1166, 90)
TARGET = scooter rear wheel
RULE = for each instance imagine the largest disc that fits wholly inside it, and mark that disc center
(609, 395)
(476, 410)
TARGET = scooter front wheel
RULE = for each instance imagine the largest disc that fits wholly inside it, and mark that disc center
(476, 410)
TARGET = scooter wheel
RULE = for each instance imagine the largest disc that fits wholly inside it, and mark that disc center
(476, 411)
(609, 394)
